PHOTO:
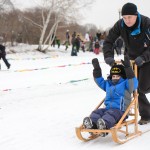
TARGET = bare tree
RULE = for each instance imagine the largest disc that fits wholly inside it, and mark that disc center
(52, 13)
(6, 5)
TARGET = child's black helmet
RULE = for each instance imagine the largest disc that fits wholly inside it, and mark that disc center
(118, 70)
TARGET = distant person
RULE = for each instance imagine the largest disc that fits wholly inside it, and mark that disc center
(97, 47)
(91, 45)
(3, 56)
(54, 40)
(98, 35)
(75, 46)
(87, 41)
(73, 37)
(83, 46)
(78, 41)
(58, 42)
(68, 37)
(66, 45)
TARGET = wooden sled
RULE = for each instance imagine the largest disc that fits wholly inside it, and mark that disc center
(124, 130)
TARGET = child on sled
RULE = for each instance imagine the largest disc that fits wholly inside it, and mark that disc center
(119, 86)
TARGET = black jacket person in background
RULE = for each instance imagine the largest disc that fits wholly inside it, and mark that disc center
(3, 56)
(134, 29)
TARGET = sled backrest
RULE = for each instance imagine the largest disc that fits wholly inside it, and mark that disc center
(132, 109)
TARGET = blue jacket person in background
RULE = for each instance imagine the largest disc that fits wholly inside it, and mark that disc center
(119, 86)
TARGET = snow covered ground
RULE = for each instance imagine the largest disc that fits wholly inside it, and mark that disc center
(43, 97)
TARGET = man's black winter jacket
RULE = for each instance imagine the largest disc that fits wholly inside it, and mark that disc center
(137, 42)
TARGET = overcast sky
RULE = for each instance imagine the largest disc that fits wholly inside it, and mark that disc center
(103, 13)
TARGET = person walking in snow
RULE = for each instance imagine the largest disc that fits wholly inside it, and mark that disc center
(134, 29)
(119, 86)
(3, 56)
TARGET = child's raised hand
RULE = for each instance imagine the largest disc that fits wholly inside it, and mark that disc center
(97, 70)
(95, 63)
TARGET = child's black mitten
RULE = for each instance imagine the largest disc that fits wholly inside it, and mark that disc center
(97, 70)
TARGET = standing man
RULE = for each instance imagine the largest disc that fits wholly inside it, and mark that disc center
(3, 56)
(134, 29)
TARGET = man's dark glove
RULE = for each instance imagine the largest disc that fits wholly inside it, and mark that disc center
(128, 69)
(110, 61)
(139, 61)
(97, 70)
(126, 61)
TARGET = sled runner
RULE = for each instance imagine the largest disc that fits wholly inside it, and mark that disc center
(124, 130)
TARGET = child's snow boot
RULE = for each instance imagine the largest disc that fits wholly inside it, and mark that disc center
(87, 123)
(101, 125)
